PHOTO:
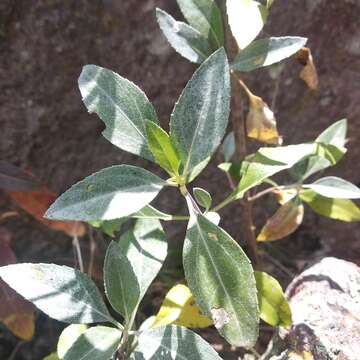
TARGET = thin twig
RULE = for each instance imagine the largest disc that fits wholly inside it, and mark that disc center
(93, 248)
(76, 245)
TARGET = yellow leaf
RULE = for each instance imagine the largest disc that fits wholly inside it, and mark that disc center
(304, 355)
(179, 308)
(284, 222)
(260, 120)
(68, 337)
(308, 73)
(283, 196)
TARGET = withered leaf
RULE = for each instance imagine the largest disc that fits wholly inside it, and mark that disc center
(15, 312)
(37, 202)
(284, 222)
(260, 120)
(308, 73)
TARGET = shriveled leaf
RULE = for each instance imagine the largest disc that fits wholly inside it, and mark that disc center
(274, 308)
(15, 312)
(339, 209)
(149, 212)
(180, 308)
(269, 161)
(185, 39)
(109, 227)
(13, 178)
(111, 193)
(162, 148)
(222, 281)
(308, 73)
(202, 197)
(205, 16)
(228, 146)
(267, 51)
(260, 121)
(121, 105)
(67, 338)
(246, 20)
(63, 293)
(36, 203)
(284, 222)
(334, 187)
(132, 264)
(97, 343)
(172, 343)
(200, 116)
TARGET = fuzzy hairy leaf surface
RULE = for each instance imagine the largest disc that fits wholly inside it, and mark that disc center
(185, 39)
(63, 293)
(97, 343)
(205, 16)
(267, 51)
(173, 343)
(222, 281)
(132, 264)
(111, 193)
(121, 105)
(200, 116)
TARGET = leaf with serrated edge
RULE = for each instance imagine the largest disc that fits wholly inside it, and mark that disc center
(173, 342)
(200, 116)
(267, 51)
(222, 281)
(162, 148)
(97, 343)
(246, 20)
(274, 308)
(339, 209)
(205, 16)
(121, 105)
(61, 292)
(111, 193)
(185, 39)
(132, 264)
(334, 187)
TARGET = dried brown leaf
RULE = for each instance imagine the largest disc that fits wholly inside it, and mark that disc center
(284, 222)
(308, 73)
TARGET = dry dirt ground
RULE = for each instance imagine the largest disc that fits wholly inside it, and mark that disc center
(46, 129)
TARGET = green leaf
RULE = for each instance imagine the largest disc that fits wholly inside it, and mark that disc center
(334, 187)
(205, 16)
(222, 281)
(111, 193)
(274, 308)
(52, 356)
(200, 116)
(109, 227)
(186, 40)
(132, 264)
(269, 161)
(149, 212)
(162, 148)
(228, 146)
(202, 197)
(334, 134)
(269, 3)
(97, 343)
(339, 209)
(173, 342)
(266, 52)
(63, 293)
(121, 105)
(198, 169)
(67, 338)
(246, 20)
